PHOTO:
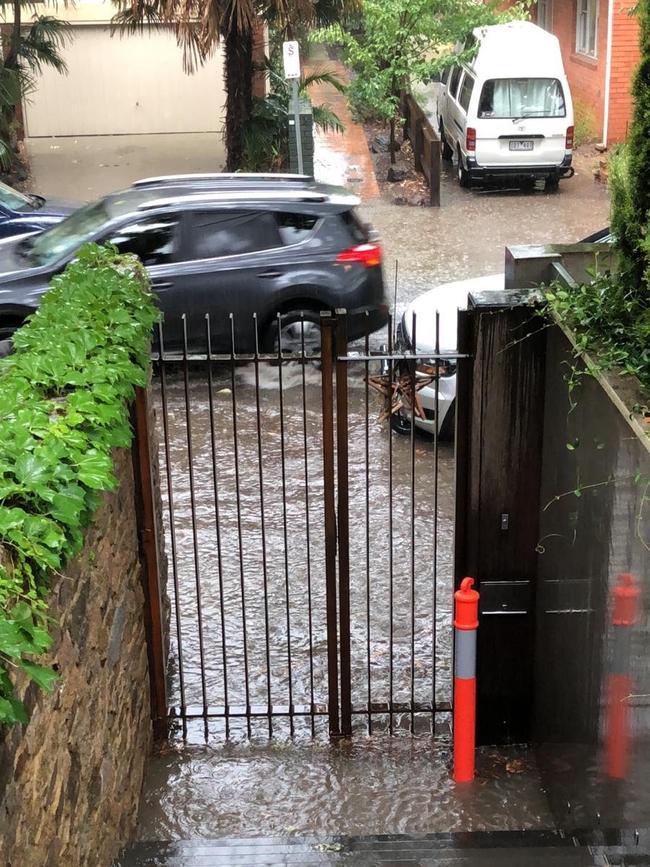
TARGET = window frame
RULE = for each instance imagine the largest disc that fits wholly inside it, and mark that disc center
(591, 15)
(145, 216)
(453, 93)
(467, 76)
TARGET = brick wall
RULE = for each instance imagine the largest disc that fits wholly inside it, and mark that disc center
(625, 57)
(70, 780)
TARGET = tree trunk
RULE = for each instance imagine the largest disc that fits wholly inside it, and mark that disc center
(393, 144)
(239, 93)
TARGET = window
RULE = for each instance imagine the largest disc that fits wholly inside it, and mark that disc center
(453, 82)
(466, 91)
(66, 237)
(294, 228)
(214, 234)
(586, 27)
(151, 239)
(545, 14)
(521, 97)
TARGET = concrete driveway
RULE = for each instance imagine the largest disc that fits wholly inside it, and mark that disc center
(91, 166)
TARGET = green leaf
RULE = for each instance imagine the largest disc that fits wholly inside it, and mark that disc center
(12, 711)
(40, 674)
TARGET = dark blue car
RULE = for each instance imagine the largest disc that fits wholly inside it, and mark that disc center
(21, 213)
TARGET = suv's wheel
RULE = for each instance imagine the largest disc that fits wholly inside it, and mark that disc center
(298, 328)
(447, 152)
(463, 174)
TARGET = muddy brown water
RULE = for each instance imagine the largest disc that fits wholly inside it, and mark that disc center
(284, 541)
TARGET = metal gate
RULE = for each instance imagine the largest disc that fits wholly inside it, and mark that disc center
(309, 548)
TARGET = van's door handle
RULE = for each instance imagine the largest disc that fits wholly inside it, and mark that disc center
(270, 273)
(161, 284)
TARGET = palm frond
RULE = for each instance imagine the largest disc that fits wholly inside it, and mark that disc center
(327, 119)
(41, 45)
(322, 76)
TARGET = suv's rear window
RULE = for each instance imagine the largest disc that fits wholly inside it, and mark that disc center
(521, 97)
(356, 228)
(294, 228)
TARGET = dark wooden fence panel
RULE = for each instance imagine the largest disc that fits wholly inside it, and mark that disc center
(425, 142)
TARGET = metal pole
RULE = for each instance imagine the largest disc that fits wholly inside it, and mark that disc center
(296, 117)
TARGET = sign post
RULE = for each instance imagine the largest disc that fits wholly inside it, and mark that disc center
(291, 58)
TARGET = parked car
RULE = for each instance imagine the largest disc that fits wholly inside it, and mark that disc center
(508, 113)
(23, 213)
(446, 300)
(220, 244)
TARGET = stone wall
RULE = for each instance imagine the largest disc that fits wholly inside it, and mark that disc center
(70, 780)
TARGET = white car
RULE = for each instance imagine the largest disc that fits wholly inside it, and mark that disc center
(446, 300)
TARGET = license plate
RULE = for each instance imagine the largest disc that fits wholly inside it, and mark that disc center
(520, 145)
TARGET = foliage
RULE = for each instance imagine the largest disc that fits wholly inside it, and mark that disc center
(630, 180)
(266, 138)
(27, 49)
(406, 42)
(609, 321)
(64, 398)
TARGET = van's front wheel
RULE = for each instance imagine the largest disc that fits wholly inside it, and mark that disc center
(463, 175)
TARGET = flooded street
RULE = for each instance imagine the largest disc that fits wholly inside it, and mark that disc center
(272, 649)
(262, 641)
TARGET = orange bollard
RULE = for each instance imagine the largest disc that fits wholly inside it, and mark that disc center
(624, 615)
(465, 625)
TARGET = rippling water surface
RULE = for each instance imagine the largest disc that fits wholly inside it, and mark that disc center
(270, 536)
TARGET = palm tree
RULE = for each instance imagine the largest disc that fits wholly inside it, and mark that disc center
(28, 48)
(201, 25)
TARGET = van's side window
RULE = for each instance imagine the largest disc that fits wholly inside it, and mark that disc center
(455, 78)
(466, 91)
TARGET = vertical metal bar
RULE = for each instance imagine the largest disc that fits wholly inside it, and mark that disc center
(283, 466)
(390, 525)
(436, 427)
(217, 527)
(195, 536)
(233, 390)
(260, 462)
(327, 370)
(413, 399)
(367, 434)
(144, 501)
(172, 528)
(303, 363)
(343, 519)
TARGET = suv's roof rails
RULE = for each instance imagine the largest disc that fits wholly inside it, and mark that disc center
(238, 195)
(217, 177)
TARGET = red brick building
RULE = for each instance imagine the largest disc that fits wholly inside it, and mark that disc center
(600, 49)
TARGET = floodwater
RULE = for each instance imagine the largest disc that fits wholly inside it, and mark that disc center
(202, 785)
(254, 553)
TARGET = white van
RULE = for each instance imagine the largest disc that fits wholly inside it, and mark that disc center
(508, 112)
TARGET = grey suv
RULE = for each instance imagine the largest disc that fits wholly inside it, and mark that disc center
(220, 244)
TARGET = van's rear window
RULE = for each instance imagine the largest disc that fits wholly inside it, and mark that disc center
(522, 97)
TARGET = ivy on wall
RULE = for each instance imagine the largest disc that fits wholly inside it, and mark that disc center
(64, 405)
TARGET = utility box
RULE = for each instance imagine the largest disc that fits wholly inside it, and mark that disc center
(306, 135)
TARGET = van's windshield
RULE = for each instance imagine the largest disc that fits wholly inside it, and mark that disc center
(521, 97)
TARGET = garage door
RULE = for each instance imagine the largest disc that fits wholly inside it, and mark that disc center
(125, 85)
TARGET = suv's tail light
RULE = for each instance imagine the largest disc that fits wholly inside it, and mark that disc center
(367, 255)
(569, 139)
(470, 139)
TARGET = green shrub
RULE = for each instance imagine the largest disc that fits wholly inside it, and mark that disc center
(64, 405)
